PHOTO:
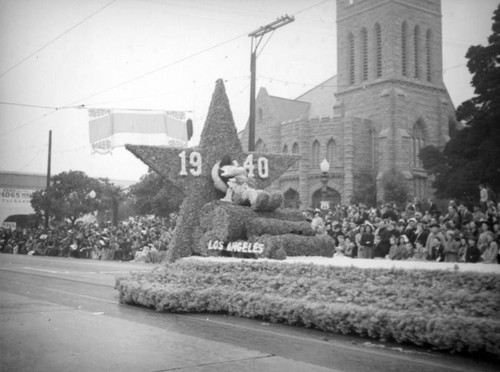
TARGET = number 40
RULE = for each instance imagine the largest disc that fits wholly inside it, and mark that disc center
(262, 166)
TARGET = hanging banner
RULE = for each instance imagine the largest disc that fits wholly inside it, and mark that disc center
(115, 128)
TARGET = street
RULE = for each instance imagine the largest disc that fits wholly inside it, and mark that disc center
(60, 314)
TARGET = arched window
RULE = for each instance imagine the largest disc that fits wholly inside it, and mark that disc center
(315, 155)
(260, 146)
(418, 142)
(350, 42)
(428, 41)
(378, 47)
(416, 52)
(295, 151)
(364, 40)
(285, 149)
(330, 152)
(404, 49)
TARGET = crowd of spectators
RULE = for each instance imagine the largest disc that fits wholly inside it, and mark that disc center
(132, 239)
(416, 232)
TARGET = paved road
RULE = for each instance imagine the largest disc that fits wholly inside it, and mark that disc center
(60, 314)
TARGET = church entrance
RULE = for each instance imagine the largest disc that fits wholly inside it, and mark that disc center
(291, 199)
(332, 196)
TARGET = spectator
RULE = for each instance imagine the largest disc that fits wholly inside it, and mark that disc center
(483, 196)
(452, 247)
(433, 209)
(437, 250)
(420, 253)
(430, 243)
(462, 249)
(357, 239)
(491, 252)
(367, 242)
(483, 240)
(473, 254)
(317, 223)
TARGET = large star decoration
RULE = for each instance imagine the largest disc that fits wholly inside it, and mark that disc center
(189, 169)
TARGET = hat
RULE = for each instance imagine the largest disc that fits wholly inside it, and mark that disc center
(412, 220)
(433, 224)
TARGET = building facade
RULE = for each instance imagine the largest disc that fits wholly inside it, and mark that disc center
(16, 190)
(387, 102)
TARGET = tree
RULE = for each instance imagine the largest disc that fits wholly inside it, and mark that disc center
(365, 190)
(472, 156)
(71, 195)
(153, 195)
(395, 187)
(111, 195)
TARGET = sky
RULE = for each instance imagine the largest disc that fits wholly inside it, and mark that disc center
(56, 55)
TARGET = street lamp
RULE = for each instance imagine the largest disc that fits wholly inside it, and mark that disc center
(325, 167)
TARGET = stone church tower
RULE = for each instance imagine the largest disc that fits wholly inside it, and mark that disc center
(386, 103)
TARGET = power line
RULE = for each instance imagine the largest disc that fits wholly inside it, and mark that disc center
(158, 69)
(56, 38)
(54, 109)
(28, 105)
(310, 7)
(183, 59)
(28, 122)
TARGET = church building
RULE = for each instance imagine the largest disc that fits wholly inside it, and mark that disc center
(387, 101)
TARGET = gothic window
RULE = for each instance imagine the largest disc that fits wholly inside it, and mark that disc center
(416, 52)
(285, 149)
(404, 49)
(417, 138)
(378, 41)
(330, 152)
(350, 42)
(295, 151)
(420, 187)
(364, 39)
(315, 155)
(260, 146)
(428, 40)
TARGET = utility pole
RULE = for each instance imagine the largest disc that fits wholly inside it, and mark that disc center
(47, 211)
(258, 34)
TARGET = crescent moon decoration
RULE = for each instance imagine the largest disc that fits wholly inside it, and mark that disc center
(218, 182)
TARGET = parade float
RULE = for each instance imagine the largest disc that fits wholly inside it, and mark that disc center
(232, 248)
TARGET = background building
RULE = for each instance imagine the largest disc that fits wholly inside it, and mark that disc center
(386, 103)
(15, 192)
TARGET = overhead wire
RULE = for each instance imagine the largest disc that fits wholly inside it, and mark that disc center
(182, 59)
(56, 38)
(28, 105)
(71, 105)
(158, 69)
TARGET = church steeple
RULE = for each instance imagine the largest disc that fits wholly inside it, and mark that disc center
(389, 39)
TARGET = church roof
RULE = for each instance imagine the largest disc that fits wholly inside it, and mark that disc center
(289, 109)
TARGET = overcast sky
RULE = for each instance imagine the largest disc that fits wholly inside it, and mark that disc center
(167, 54)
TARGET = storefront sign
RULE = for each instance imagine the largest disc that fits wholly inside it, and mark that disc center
(16, 196)
(239, 246)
